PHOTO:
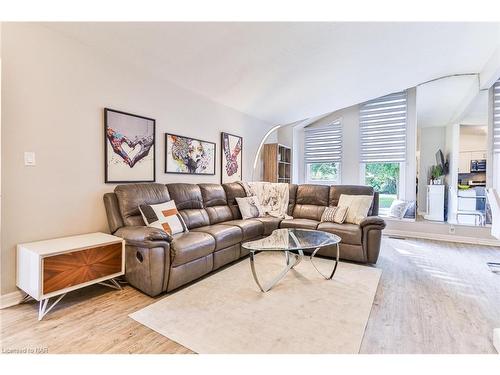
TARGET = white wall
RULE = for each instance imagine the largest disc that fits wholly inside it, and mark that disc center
(54, 92)
(431, 139)
(350, 169)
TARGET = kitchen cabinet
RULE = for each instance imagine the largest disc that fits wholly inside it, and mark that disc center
(465, 158)
(464, 162)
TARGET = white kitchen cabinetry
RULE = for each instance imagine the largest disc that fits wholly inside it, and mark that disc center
(465, 158)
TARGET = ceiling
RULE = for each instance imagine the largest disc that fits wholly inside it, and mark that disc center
(284, 72)
(452, 100)
(477, 112)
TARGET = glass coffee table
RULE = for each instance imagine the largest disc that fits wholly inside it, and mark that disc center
(292, 242)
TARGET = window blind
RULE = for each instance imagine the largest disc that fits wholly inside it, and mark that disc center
(383, 129)
(496, 117)
(324, 144)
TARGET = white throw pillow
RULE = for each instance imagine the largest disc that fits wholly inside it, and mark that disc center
(359, 205)
(250, 207)
(163, 216)
(398, 208)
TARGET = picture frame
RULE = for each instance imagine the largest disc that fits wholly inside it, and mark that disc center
(187, 155)
(129, 147)
(231, 158)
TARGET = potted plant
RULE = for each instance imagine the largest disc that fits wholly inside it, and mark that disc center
(436, 173)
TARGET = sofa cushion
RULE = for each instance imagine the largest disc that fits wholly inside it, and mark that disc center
(270, 223)
(350, 233)
(224, 235)
(213, 195)
(130, 196)
(299, 223)
(308, 211)
(186, 247)
(215, 202)
(250, 228)
(195, 217)
(312, 194)
(186, 195)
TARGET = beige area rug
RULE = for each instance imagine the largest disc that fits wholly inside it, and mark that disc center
(304, 313)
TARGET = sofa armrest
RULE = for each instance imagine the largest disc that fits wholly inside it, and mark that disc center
(372, 222)
(144, 236)
(147, 258)
(372, 227)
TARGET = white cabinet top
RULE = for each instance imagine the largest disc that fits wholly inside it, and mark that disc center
(63, 244)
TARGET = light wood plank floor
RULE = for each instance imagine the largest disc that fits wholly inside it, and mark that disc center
(433, 297)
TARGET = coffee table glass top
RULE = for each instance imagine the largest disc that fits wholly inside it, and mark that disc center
(293, 239)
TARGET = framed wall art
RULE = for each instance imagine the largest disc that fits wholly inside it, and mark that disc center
(231, 158)
(129, 147)
(187, 155)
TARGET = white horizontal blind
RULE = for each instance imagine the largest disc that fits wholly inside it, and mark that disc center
(496, 117)
(382, 124)
(324, 144)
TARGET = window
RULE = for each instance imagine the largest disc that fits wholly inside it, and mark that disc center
(323, 173)
(323, 153)
(385, 179)
(383, 146)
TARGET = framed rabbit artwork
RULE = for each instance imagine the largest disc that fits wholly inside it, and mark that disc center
(231, 158)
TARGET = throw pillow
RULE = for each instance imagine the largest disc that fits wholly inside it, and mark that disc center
(340, 214)
(410, 211)
(328, 214)
(163, 216)
(334, 214)
(359, 205)
(398, 208)
(250, 207)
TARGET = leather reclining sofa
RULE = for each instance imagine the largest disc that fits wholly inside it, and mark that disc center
(157, 262)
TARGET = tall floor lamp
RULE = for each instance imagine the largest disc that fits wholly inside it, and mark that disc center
(257, 154)
(494, 200)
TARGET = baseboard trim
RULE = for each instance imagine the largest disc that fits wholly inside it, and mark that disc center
(442, 237)
(11, 299)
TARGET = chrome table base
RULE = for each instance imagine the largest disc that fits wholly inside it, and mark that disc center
(297, 258)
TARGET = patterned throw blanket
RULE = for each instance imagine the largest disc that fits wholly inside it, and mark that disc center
(273, 197)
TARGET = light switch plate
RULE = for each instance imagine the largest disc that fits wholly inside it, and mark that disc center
(29, 159)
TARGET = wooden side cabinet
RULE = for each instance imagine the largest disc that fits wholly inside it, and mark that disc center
(277, 163)
(52, 268)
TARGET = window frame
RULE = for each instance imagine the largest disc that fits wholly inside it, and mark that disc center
(338, 181)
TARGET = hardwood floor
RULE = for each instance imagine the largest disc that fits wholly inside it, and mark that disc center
(433, 297)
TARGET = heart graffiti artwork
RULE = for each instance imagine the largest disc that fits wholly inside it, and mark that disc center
(130, 142)
(118, 140)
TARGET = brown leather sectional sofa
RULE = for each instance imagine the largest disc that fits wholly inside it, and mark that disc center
(157, 262)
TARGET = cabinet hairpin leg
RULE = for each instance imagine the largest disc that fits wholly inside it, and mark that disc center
(26, 298)
(42, 307)
(111, 283)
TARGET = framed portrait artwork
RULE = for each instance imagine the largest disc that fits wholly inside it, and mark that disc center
(189, 155)
(231, 158)
(129, 147)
